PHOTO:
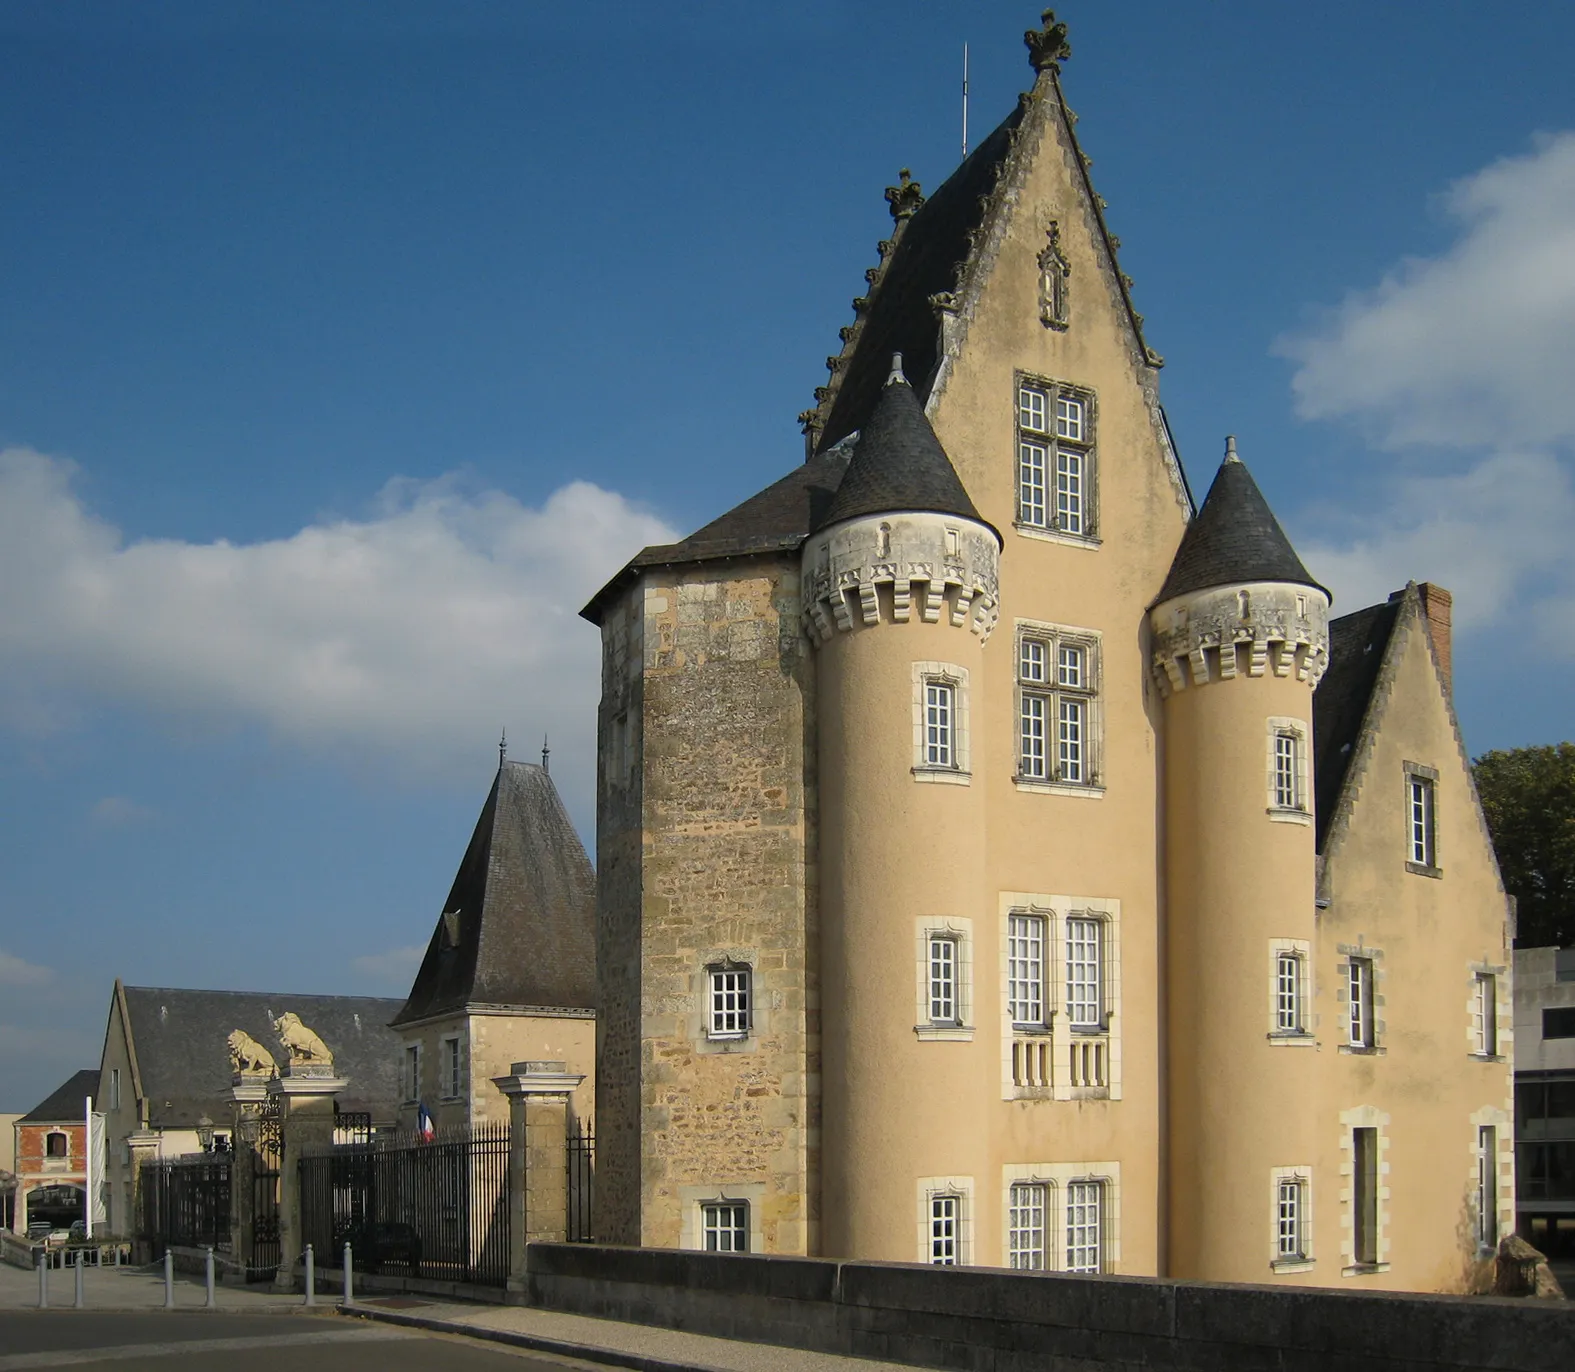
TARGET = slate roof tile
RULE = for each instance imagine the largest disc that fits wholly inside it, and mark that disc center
(64, 1104)
(1357, 645)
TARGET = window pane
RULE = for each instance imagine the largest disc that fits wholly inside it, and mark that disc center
(1082, 972)
(1069, 490)
(943, 980)
(1026, 1241)
(1069, 419)
(1487, 1186)
(1286, 790)
(726, 1226)
(1031, 409)
(1031, 484)
(944, 1214)
(938, 749)
(1025, 943)
(1031, 660)
(1360, 991)
(729, 1002)
(1289, 1220)
(1035, 709)
(1287, 993)
(1070, 741)
(1070, 667)
(1484, 1009)
(1084, 1207)
(1421, 810)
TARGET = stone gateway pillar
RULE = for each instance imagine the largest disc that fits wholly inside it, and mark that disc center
(306, 1110)
(538, 1095)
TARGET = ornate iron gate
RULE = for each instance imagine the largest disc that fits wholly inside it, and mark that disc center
(267, 1163)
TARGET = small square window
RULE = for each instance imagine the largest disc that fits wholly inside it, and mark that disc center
(730, 1003)
(56, 1145)
(1031, 410)
(1069, 418)
(724, 1226)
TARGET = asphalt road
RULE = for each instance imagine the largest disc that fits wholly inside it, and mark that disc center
(143, 1342)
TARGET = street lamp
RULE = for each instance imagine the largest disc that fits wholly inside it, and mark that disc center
(205, 1134)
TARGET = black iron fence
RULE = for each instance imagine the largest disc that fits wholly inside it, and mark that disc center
(436, 1208)
(185, 1202)
(582, 1178)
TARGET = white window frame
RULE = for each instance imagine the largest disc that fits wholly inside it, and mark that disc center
(955, 771)
(1030, 1221)
(730, 1001)
(1487, 1199)
(1029, 957)
(1085, 1225)
(410, 1074)
(1298, 952)
(1076, 982)
(1057, 473)
(945, 996)
(450, 1067)
(723, 1224)
(933, 1194)
(957, 934)
(1484, 1014)
(1360, 1003)
(1295, 1184)
(1050, 691)
(1421, 819)
(1289, 785)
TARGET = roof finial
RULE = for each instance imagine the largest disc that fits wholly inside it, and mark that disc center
(1047, 47)
(546, 752)
(1230, 448)
(897, 376)
(503, 748)
(905, 197)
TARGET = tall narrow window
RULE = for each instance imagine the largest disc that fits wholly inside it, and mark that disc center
(1423, 846)
(1364, 1195)
(1084, 973)
(1056, 673)
(943, 981)
(945, 1230)
(451, 1067)
(413, 1071)
(730, 995)
(1287, 779)
(1026, 1239)
(1484, 1014)
(1055, 454)
(114, 1088)
(724, 1226)
(1025, 970)
(940, 745)
(1085, 1215)
(1359, 1007)
(1487, 1186)
(1288, 1018)
(1290, 1243)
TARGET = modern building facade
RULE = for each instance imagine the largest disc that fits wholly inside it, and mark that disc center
(1545, 1095)
(1002, 860)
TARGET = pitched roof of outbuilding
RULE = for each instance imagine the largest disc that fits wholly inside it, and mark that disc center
(1234, 539)
(183, 1058)
(898, 464)
(64, 1105)
(519, 925)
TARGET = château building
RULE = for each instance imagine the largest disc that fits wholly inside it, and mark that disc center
(1002, 860)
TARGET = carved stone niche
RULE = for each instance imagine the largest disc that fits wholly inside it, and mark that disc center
(1054, 280)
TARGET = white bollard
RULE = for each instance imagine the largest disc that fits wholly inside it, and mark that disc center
(169, 1280)
(80, 1300)
(43, 1279)
(311, 1279)
(211, 1301)
(349, 1278)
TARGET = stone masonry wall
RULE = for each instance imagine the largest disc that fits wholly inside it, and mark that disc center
(728, 799)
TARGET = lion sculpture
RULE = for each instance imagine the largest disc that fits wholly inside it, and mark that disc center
(250, 1058)
(302, 1044)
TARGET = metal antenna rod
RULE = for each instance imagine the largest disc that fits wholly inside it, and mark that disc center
(965, 102)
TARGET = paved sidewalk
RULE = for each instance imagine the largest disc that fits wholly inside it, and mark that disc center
(132, 1288)
(640, 1347)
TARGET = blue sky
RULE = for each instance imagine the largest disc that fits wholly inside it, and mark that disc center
(345, 348)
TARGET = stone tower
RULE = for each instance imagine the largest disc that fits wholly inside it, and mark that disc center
(1240, 640)
(900, 582)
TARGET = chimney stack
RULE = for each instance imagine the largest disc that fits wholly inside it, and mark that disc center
(1438, 605)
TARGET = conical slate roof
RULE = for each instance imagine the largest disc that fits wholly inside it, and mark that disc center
(1235, 538)
(899, 463)
(519, 925)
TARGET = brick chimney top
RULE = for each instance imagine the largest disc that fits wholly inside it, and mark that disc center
(1437, 605)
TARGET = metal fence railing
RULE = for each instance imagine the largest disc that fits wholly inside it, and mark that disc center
(185, 1202)
(435, 1208)
(582, 1178)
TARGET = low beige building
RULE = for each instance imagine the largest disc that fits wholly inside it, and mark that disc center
(1004, 861)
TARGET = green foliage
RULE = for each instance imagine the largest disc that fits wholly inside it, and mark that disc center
(1528, 795)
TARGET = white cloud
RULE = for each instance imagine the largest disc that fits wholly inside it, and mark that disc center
(416, 633)
(117, 812)
(1458, 364)
(14, 971)
(395, 966)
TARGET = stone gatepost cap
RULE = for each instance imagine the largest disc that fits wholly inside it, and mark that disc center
(535, 1068)
(538, 1078)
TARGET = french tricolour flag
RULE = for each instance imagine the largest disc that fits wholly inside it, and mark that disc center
(425, 1128)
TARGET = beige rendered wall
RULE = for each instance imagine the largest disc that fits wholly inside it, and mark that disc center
(1429, 934)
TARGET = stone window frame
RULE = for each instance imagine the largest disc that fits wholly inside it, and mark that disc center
(1057, 908)
(692, 1201)
(942, 673)
(1363, 1117)
(928, 1189)
(410, 1072)
(1087, 447)
(1503, 1021)
(451, 1066)
(729, 968)
(114, 1088)
(1374, 957)
(713, 959)
(1301, 950)
(1053, 636)
(1306, 1259)
(1055, 1178)
(1283, 726)
(1418, 774)
(959, 929)
(1501, 1121)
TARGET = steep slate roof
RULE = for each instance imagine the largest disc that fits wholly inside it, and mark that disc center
(898, 464)
(184, 1061)
(1357, 645)
(926, 260)
(1234, 538)
(777, 519)
(519, 925)
(64, 1104)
